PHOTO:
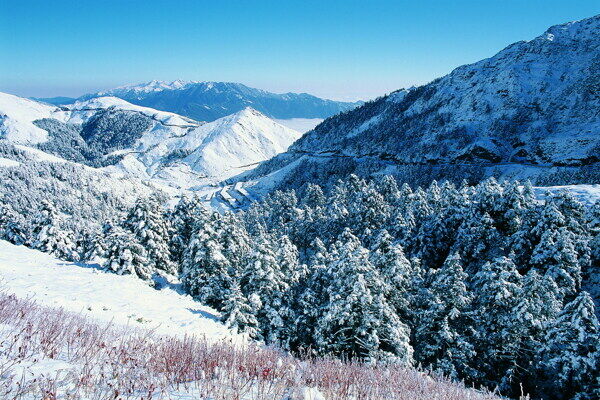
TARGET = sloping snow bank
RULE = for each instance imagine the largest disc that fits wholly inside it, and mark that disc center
(104, 296)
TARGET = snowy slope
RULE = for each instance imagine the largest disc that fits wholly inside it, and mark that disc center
(213, 151)
(142, 142)
(586, 194)
(17, 116)
(534, 106)
(103, 296)
(81, 111)
(16, 119)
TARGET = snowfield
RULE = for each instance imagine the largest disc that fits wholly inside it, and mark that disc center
(587, 194)
(103, 296)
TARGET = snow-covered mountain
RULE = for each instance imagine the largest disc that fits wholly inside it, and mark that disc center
(529, 111)
(143, 142)
(210, 152)
(208, 101)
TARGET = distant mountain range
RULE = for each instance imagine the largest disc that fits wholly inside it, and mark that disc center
(208, 101)
(142, 142)
(530, 111)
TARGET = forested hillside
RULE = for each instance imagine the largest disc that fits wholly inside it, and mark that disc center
(480, 283)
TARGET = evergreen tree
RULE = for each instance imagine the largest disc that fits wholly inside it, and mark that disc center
(206, 272)
(10, 225)
(312, 301)
(358, 321)
(395, 271)
(555, 255)
(443, 333)
(125, 255)
(537, 305)
(238, 314)
(48, 236)
(147, 223)
(182, 219)
(92, 245)
(513, 208)
(477, 240)
(266, 287)
(497, 286)
(591, 275)
(569, 358)
(234, 241)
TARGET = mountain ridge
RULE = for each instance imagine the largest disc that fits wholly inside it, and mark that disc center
(208, 101)
(142, 142)
(532, 105)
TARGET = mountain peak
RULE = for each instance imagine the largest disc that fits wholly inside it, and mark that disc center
(531, 106)
(209, 101)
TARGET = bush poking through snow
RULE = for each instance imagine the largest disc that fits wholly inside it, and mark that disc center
(53, 354)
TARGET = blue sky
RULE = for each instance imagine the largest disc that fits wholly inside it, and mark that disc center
(335, 49)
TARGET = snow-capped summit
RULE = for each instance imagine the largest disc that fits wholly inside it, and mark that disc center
(208, 101)
(152, 86)
(529, 111)
(214, 151)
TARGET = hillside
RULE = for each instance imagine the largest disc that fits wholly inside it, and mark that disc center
(103, 296)
(208, 101)
(529, 111)
(142, 142)
(66, 324)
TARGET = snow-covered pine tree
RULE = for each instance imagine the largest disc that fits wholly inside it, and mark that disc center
(556, 256)
(369, 213)
(444, 332)
(358, 321)
(312, 301)
(535, 221)
(388, 187)
(92, 245)
(538, 304)
(396, 273)
(182, 219)
(569, 358)
(10, 225)
(234, 241)
(147, 223)
(47, 235)
(513, 207)
(496, 286)
(437, 232)
(591, 276)
(574, 213)
(266, 286)
(477, 240)
(287, 258)
(125, 255)
(238, 313)
(313, 196)
(206, 272)
(487, 197)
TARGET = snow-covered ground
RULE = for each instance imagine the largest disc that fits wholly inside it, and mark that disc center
(104, 296)
(587, 194)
